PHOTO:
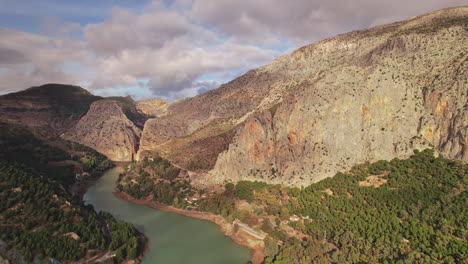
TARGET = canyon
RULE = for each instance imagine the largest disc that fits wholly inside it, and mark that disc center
(362, 96)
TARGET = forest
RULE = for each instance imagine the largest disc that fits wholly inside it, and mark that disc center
(417, 216)
(400, 211)
(38, 214)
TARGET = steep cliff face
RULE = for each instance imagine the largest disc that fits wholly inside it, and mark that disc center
(362, 96)
(359, 97)
(106, 128)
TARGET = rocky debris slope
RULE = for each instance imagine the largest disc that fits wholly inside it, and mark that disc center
(107, 129)
(361, 96)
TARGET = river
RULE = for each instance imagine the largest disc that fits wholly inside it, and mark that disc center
(174, 239)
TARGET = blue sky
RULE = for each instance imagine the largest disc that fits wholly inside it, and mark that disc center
(28, 15)
(170, 49)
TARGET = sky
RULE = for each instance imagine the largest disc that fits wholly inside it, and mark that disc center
(170, 49)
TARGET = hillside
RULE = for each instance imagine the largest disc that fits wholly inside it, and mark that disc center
(42, 218)
(110, 125)
(402, 211)
(356, 97)
(106, 128)
(50, 109)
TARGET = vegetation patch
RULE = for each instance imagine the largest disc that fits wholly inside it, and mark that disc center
(39, 216)
(399, 211)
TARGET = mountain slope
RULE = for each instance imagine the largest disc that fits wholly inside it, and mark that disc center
(50, 108)
(42, 218)
(362, 96)
(107, 129)
(112, 125)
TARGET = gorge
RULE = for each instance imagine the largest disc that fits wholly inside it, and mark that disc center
(361, 96)
(352, 149)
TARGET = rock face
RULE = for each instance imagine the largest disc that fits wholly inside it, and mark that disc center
(152, 107)
(230, 101)
(357, 97)
(110, 126)
(107, 129)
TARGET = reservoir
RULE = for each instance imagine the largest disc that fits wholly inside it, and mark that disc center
(173, 239)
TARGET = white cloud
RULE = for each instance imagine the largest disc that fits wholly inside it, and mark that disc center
(304, 21)
(29, 59)
(168, 50)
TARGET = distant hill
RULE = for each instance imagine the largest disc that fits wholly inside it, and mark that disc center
(112, 126)
(50, 108)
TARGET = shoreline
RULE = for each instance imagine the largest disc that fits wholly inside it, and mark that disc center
(145, 242)
(82, 188)
(240, 238)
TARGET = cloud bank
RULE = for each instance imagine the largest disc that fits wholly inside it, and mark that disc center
(182, 48)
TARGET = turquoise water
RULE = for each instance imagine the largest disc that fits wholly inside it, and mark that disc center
(174, 239)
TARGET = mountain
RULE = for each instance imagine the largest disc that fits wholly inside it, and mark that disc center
(362, 96)
(361, 102)
(110, 125)
(42, 217)
(132, 110)
(107, 129)
(49, 109)
(152, 107)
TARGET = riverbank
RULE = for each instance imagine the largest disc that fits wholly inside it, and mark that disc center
(79, 189)
(241, 238)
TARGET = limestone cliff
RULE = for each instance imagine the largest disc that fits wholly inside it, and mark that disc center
(106, 128)
(361, 96)
(152, 107)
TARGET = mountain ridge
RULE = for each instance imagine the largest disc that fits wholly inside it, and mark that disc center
(359, 96)
(50, 107)
(389, 72)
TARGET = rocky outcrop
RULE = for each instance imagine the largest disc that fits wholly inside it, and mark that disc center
(152, 107)
(357, 97)
(106, 128)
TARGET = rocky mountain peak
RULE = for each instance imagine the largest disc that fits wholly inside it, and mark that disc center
(107, 129)
(361, 96)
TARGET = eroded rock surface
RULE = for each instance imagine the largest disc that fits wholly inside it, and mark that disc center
(152, 107)
(107, 129)
(361, 96)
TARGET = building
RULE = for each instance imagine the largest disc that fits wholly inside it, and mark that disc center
(294, 218)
